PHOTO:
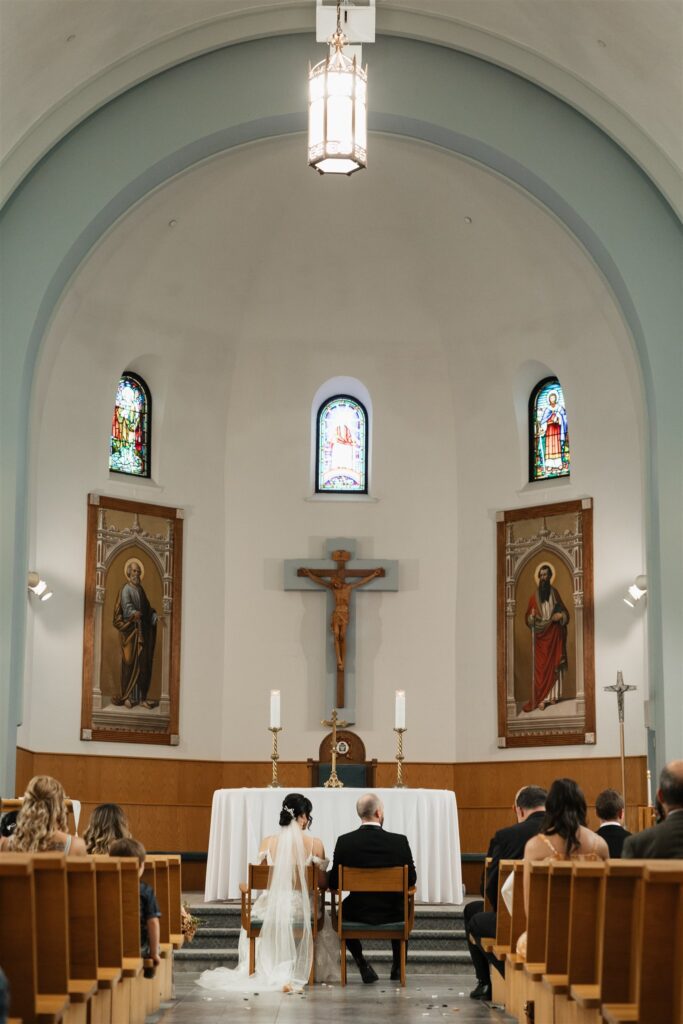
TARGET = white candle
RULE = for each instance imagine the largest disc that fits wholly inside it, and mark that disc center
(274, 709)
(400, 711)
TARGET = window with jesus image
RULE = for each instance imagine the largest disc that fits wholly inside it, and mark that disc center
(545, 671)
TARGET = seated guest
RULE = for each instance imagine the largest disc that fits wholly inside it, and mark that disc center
(149, 908)
(371, 847)
(665, 839)
(507, 844)
(107, 823)
(609, 807)
(8, 823)
(563, 835)
(42, 821)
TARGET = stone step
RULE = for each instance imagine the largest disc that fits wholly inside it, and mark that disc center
(440, 961)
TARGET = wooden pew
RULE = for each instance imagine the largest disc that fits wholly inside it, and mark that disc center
(487, 902)
(555, 982)
(176, 899)
(132, 959)
(617, 912)
(537, 927)
(54, 937)
(156, 874)
(83, 961)
(514, 977)
(500, 945)
(19, 944)
(113, 988)
(659, 950)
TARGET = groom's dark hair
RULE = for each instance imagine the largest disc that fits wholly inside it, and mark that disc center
(531, 796)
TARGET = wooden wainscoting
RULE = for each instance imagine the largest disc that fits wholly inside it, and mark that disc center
(168, 801)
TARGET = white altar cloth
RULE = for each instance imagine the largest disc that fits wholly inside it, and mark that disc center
(428, 817)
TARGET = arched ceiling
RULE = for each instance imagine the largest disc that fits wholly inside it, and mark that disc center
(617, 60)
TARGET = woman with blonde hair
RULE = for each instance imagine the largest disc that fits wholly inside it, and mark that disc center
(42, 821)
(107, 823)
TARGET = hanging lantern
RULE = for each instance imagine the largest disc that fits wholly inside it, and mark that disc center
(337, 111)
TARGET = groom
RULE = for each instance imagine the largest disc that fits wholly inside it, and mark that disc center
(371, 847)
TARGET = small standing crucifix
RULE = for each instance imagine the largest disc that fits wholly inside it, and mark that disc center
(340, 579)
(334, 782)
(620, 689)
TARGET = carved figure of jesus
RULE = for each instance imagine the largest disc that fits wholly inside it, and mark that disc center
(341, 591)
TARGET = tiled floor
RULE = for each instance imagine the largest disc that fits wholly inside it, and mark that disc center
(425, 998)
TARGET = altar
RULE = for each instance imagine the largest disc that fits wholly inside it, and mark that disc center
(428, 817)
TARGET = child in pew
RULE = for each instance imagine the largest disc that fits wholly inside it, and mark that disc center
(149, 908)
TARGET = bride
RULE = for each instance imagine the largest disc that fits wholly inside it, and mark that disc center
(284, 950)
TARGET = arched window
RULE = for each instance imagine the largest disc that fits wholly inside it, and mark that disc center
(131, 430)
(548, 431)
(341, 446)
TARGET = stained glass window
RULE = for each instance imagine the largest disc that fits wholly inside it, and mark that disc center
(129, 449)
(342, 444)
(548, 431)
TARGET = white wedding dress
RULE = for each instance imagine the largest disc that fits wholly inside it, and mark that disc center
(283, 958)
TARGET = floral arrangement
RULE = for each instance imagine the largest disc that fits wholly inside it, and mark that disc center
(188, 923)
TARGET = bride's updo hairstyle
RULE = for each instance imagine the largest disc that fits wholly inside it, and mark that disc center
(293, 806)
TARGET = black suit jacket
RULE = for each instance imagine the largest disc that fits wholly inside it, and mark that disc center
(372, 847)
(661, 841)
(508, 844)
(614, 836)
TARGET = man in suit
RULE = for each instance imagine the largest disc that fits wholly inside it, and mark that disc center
(666, 839)
(371, 847)
(507, 844)
(609, 807)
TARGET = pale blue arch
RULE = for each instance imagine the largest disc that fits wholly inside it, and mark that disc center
(256, 90)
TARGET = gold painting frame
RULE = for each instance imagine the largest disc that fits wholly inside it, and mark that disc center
(545, 625)
(132, 620)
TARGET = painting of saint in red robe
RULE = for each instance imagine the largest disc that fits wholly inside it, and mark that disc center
(547, 618)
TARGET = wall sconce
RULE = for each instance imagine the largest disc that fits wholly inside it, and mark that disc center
(636, 591)
(38, 587)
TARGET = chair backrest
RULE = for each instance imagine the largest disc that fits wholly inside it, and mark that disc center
(259, 876)
(353, 767)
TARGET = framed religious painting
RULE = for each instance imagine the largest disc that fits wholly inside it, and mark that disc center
(131, 637)
(546, 664)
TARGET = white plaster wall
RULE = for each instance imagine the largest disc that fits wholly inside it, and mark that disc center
(271, 281)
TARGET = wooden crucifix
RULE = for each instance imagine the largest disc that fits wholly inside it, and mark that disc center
(340, 580)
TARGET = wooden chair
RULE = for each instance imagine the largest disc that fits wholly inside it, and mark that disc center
(352, 766)
(259, 878)
(18, 945)
(374, 880)
(658, 961)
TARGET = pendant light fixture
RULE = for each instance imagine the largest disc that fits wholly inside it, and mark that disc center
(337, 110)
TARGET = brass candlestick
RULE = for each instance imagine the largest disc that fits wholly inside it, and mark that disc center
(399, 784)
(275, 757)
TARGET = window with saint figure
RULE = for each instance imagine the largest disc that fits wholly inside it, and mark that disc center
(342, 444)
(548, 431)
(130, 442)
